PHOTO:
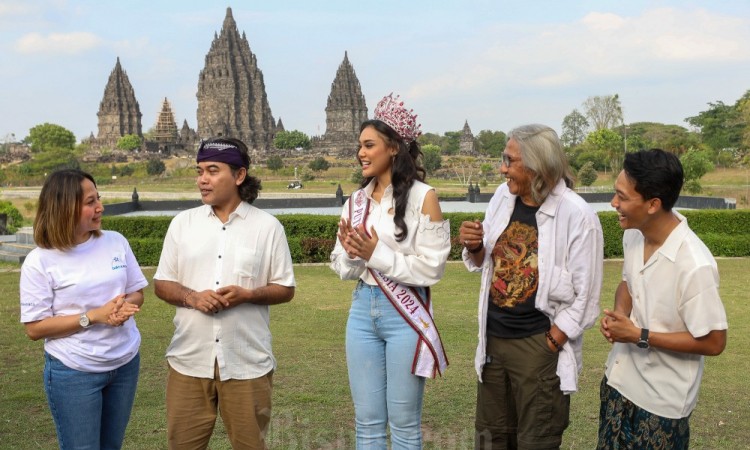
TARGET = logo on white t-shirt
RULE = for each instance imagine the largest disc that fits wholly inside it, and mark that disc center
(118, 262)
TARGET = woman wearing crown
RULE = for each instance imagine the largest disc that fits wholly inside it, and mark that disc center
(392, 238)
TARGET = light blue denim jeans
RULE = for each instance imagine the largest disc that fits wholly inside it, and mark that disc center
(90, 410)
(380, 348)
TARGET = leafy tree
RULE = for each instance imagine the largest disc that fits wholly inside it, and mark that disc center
(603, 111)
(288, 140)
(155, 166)
(487, 170)
(672, 138)
(720, 126)
(129, 142)
(743, 108)
(48, 136)
(609, 143)
(319, 164)
(430, 139)
(464, 167)
(126, 170)
(357, 176)
(306, 174)
(49, 161)
(597, 158)
(574, 129)
(491, 143)
(432, 159)
(15, 219)
(695, 164)
(451, 142)
(275, 163)
(587, 174)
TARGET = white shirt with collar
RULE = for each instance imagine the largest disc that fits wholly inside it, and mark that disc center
(418, 260)
(200, 252)
(677, 289)
(571, 252)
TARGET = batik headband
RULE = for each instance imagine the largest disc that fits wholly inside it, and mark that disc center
(221, 152)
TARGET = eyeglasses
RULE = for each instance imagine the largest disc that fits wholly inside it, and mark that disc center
(507, 160)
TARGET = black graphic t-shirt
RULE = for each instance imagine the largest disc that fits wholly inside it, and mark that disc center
(511, 312)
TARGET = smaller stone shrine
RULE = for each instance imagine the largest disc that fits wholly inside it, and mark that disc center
(466, 144)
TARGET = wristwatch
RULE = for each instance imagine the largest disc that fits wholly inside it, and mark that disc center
(643, 341)
(84, 321)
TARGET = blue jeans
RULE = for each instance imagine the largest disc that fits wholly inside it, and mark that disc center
(90, 410)
(380, 348)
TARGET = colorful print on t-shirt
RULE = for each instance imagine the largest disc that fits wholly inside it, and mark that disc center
(516, 272)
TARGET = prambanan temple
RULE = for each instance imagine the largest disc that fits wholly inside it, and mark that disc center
(232, 102)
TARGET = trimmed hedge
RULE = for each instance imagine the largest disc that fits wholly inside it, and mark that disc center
(312, 237)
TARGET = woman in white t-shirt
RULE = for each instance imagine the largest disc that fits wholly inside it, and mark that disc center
(80, 289)
(392, 239)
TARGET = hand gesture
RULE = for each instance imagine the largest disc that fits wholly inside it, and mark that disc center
(208, 301)
(115, 312)
(617, 327)
(356, 241)
(233, 295)
(471, 234)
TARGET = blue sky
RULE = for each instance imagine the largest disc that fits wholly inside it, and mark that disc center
(495, 63)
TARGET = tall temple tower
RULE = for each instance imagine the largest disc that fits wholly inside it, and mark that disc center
(119, 113)
(345, 112)
(166, 128)
(231, 94)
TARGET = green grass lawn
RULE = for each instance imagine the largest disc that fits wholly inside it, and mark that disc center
(312, 406)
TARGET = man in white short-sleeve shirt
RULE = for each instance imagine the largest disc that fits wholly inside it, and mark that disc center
(222, 265)
(667, 314)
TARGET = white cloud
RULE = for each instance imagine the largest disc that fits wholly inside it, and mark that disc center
(599, 46)
(15, 9)
(68, 43)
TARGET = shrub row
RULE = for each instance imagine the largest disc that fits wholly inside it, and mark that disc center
(311, 237)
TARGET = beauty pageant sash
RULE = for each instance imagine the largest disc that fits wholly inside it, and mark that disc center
(429, 357)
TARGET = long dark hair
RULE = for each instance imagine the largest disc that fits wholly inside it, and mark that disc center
(406, 168)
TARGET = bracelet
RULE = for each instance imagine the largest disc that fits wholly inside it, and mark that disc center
(185, 297)
(554, 342)
(476, 250)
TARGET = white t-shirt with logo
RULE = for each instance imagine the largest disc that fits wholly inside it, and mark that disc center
(71, 282)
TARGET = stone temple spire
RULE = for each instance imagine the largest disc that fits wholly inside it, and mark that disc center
(466, 141)
(345, 111)
(119, 113)
(166, 127)
(231, 94)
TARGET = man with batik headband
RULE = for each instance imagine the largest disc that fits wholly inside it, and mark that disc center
(392, 238)
(222, 265)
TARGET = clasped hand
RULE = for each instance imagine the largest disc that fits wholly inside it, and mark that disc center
(209, 301)
(356, 241)
(118, 311)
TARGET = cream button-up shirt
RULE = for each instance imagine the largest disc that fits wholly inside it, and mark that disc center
(677, 289)
(200, 252)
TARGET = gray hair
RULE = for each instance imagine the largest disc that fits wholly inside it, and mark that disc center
(542, 153)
